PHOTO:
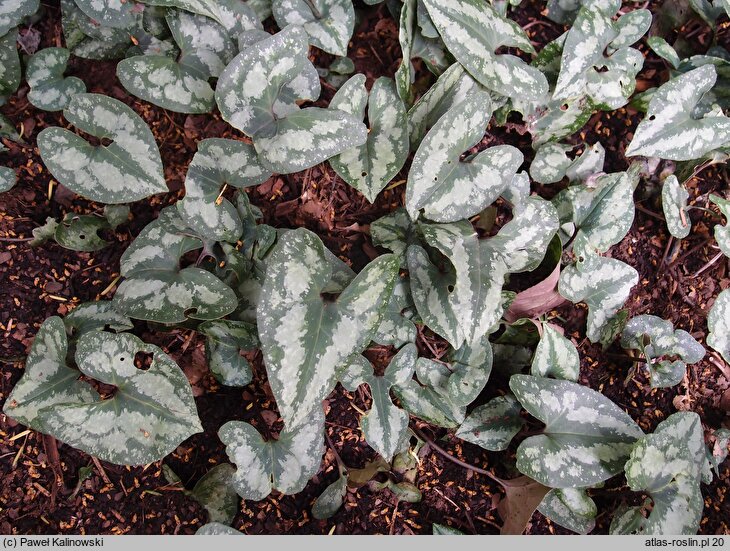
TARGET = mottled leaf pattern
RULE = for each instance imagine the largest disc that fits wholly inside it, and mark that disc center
(404, 74)
(156, 289)
(8, 178)
(448, 189)
(12, 13)
(603, 284)
(48, 381)
(473, 31)
(49, 90)
(587, 438)
(385, 425)
(394, 231)
(397, 327)
(657, 338)
(285, 464)
(181, 84)
(370, 167)
(330, 500)
(671, 130)
(718, 325)
(225, 341)
(112, 13)
(674, 205)
(150, 414)
(218, 162)
(217, 529)
(215, 492)
(492, 425)
(95, 316)
(663, 50)
(555, 356)
(9, 65)
(667, 465)
(328, 23)
(126, 170)
(571, 508)
(722, 232)
(306, 338)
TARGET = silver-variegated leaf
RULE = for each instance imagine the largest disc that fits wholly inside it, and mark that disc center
(285, 464)
(181, 84)
(156, 289)
(48, 381)
(473, 31)
(149, 415)
(555, 356)
(404, 75)
(722, 232)
(217, 529)
(671, 129)
(492, 425)
(397, 327)
(370, 167)
(217, 163)
(603, 284)
(225, 341)
(664, 50)
(126, 170)
(328, 23)
(95, 316)
(668, 466)
(674, 205)
(8, 178)
(215, 492)
(111, 13)
(571, 508)
(9, 65)
(395, 232)
(552, 164)
(385, 425)
(718, 325)
(49, 90)
(447, 188)
(330, 500)
(452, 87)
(587, 437)
(12, 13)
(657, 338)
(305, 337)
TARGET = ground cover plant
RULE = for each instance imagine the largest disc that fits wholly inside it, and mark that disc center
(323, 266)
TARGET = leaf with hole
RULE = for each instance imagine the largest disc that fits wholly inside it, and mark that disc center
(587, 438)
(151, 412)
(306, 337)
(285, 464)
(447, 188)
(127, 169)
(49, 90)
(371, 166)
(156, 288)
(473, 31)
(96, 316)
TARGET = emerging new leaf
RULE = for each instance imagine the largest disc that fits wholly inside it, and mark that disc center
(328, 23)
(718, 325)
(674, 205)
(555, 356)
(587, 438)
(126, 170)
(12, 13)
(306, 337)
(722, 232)
(225, 341)
(9, 65)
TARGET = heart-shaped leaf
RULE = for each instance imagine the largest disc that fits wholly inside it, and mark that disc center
(555, 356)
(49, 90)
(225, 341)
(222, 11)
(448, 189)
(12, 13)
(473, 31)
(587, 437)
(656, 338)
(674, 205)
(571, 508)
(156, 289)
(492, 425)
(111, 13)
(370, 167)
(328, 23)
(126, 170)
(668, 465)
(86, 39)
(181, 85)
(718, 325)
(48, 381)
(150, 414)
(95, 316)
(306, 337)
(451, 88)
(285, 464)
(385, 425)
(217, 163)
(603, 284)
(722, 232)
(671, 129)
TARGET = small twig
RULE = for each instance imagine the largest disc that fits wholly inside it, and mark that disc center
(101, 470)
(649, 212)
(340, 463)
(16, 239)
(707, 266)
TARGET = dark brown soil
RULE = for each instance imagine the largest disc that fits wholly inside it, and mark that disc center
(39, 477)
